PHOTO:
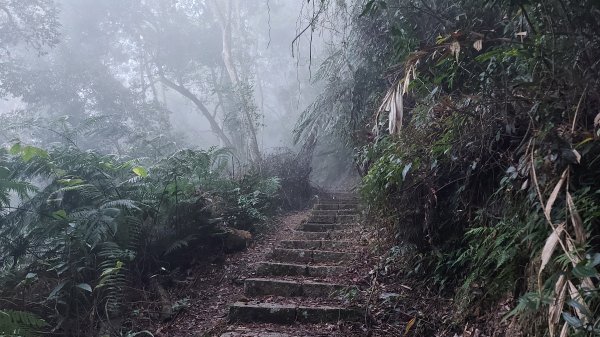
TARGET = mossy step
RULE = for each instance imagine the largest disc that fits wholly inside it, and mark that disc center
(265, 287)
(324, 227)
(311, 256)
(318, 244)
(252, 312)
(290, 269)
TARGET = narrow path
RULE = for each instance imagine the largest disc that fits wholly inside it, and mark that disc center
(304, 287)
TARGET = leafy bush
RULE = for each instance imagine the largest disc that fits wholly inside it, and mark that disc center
(484, 150)
(98, 224)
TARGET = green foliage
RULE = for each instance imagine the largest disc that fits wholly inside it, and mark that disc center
(499, 110)
(20, 324)
(492, 260)
(101, 224)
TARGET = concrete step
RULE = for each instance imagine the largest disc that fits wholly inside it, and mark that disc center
(334, 206)
(332, 218)
(324, 227)
(318, 244)
(311, 256)
(338, 200)
(254, 287)
(334, 212)
(290, 269)
(253, 312)
(330, 235)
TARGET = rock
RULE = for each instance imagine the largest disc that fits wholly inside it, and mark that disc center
(237, 240)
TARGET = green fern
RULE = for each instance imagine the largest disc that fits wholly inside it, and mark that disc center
(20, 324)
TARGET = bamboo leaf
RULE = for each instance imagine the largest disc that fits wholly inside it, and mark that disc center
(409, 325)
(140, 171)
(576, 221)
(555, 309)
(565, 330)
(549, 247)
(554, 194)
(576, 302)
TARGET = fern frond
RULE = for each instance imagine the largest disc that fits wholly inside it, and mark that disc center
(121, 204)
(20, 324)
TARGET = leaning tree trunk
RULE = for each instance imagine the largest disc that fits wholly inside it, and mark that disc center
(216, 128)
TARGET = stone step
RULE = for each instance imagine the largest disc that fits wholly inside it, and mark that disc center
(332, 218)
(338, 199)
(335, 206)
(254, 287)
(330, 235)
(324, 227)
(334, 212)
(318, 244)
(290, 269)
(311, 256)
(253, 312)
(351, 203)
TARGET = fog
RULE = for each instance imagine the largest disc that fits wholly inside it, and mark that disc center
(127, 76)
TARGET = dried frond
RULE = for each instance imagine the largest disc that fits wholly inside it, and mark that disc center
(548, 250)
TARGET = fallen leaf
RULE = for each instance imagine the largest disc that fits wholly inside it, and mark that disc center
(455, 49)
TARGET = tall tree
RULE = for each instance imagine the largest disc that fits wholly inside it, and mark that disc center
(225, 16)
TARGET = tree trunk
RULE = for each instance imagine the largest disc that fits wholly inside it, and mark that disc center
(217, 129)
(225, 22)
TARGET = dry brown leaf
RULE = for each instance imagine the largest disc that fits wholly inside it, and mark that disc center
(392, 115)
(576, 221)
(577, 156)
(396, 110)
(555, 309)
(548, 250)
(384, 107)
(576, 296)
(478, 45)
(565, 330)
(406, 81)
(409, 325)
(455, 49)
(554, 194)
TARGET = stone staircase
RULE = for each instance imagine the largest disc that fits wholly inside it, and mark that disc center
(300, 281)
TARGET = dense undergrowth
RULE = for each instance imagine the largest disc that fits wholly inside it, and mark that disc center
(484, 152)
(82, 233)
